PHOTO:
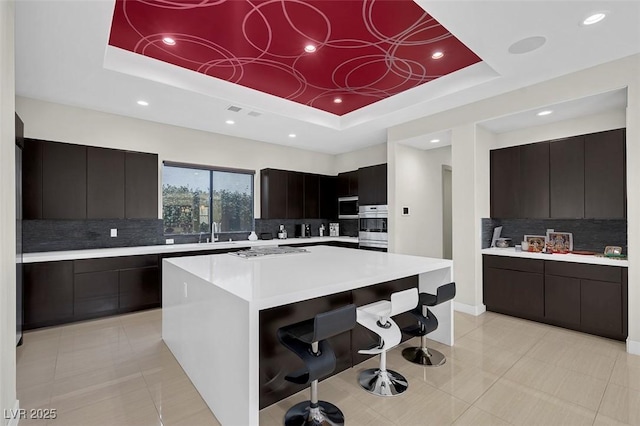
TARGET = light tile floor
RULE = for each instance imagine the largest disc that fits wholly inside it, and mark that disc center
(501, 371)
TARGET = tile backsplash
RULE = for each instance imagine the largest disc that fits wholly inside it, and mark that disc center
(588, 234)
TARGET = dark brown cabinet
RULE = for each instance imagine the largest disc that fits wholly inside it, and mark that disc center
(105, 183)
(48, 293)
(579, 296)
(328, 197)
(64, 181)
(311, 196)
(505, 182)
(566, 178)
(32, 179)
(372, 185)
(95, 294)
(514, 286)
(605, 189)
(273, 194)
(348, 184)
(141, 185)
(139, 288)
(295, 195)
(534, 181)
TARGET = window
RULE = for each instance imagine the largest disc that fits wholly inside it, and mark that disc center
(194, 197)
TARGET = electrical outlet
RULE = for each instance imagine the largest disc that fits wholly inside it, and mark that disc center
(114, 232)
(169, 241)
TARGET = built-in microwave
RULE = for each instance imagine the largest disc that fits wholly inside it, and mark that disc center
(348, 207)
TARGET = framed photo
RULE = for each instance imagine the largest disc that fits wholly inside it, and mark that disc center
(559, 242)
(536, 242)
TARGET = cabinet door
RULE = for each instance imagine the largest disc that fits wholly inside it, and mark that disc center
(601, 307)
(343, 185)
(604, 175)
(366, 186)
(353, 182)
(95, 294)
(505, 182)
(562, 300)
(566, 178)
(105, 183)
(534, 180)
(32, 179)
(48, 293)
(295, 195)
(141, 185)
(328, 198)
(311, 196)
(64, 181)
(273, 194)
(380, 178)
(514, 292)
(139, 288)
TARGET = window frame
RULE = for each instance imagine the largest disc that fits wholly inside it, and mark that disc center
(211, 169)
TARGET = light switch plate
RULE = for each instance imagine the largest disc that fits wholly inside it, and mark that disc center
(114, 232)
(405, 211)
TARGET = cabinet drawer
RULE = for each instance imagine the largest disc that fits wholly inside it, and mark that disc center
(114, 263)
(514, 263)
(95, 284)
(139, 287)
(95, 306)
(584, 271)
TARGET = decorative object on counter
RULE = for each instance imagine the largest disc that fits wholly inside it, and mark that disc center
(615, 250)
(321, 230)
(253, 236)
(535, 243)
(524, 246)
(503, 242)
(518, 247)
(334, 229)
(559, 242)
(496, 234)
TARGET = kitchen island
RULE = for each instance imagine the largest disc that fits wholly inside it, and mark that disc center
(215, 307)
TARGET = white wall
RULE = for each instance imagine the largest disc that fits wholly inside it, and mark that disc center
(369, 156)
(7, 213)
(419, 186)
(55, 122)
(470, 154)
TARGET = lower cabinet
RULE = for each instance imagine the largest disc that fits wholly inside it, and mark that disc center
(583, 297)
(67, 291)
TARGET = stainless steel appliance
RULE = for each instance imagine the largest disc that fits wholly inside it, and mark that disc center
(334, 229)
(303, 230)
(348, 208)
(373, 227)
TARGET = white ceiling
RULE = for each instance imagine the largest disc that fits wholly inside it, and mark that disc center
(62, 56)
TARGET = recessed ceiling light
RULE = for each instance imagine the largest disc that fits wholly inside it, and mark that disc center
(292, 135)
(230, 122)
(594, 19)
(434, 140)
(527, 45)
(168, 40)
(545, 112)
(309, 48)
(143, 103)
(337, 100)
(437, 55)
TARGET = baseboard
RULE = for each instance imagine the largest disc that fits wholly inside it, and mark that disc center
(16, 418)
(633, 347)
(469, 309)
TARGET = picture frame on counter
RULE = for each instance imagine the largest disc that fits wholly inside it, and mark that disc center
(559, 242)
(536, 242)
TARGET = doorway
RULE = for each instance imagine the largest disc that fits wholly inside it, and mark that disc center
(447, 213)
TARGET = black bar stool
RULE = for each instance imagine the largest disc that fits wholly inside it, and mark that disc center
(308, 340)
(426, 323)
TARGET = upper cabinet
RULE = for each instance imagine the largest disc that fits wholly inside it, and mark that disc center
(67, 181)
(578, 177)
(348, 184)
(328, 197)
(372, 185)
(273, 194)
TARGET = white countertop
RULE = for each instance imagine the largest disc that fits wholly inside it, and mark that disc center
(51, 256)
(278, 280)
(576, 258)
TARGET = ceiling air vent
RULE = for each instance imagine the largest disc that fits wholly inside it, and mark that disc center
(255, 114)
(234, 108)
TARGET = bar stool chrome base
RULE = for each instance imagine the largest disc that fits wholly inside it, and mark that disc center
(325, 414)
(382, 383)
(424, 356)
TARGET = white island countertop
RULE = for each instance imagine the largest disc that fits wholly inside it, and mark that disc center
(52, 256)
(575, 258)
(277, 280)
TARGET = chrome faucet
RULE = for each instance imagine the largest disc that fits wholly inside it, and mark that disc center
(215, 229)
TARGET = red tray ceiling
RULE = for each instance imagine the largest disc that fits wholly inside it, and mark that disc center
(366, 50)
